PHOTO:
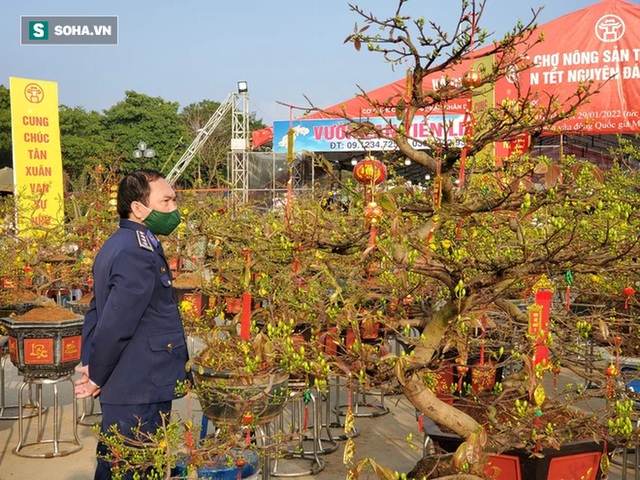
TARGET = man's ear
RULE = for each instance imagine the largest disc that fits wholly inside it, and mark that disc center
(139, 211)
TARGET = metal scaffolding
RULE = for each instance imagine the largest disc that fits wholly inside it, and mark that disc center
(240, 146)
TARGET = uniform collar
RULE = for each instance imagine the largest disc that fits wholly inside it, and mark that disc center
(126, 223)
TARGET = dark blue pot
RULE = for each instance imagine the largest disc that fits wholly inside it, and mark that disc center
(225, 472)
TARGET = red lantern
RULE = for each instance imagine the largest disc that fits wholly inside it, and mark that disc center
(471, 79)
(370, 170)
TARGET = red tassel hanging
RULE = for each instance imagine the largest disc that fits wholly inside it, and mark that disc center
(463, 162)
(628, 293)
(429, 237)
(245, 323)
(372, 213)
(459, 230)
(247, 418)
(569, 279)
(437, 186)
(437, 192)
(245, 317)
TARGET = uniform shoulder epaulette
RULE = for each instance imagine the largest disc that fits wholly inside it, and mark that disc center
(143, 241)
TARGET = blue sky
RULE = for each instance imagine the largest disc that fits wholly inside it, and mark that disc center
(197, 50)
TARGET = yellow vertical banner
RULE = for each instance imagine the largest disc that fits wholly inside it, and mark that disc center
(37, 159)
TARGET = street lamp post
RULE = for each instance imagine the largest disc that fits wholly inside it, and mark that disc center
(143, 152)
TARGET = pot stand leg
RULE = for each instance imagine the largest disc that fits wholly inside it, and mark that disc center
(316, 428)
(263, 435)
(333, 385)
(9, 412)
(34, 449)
(359, 402)
(291, 422)
(88, 412)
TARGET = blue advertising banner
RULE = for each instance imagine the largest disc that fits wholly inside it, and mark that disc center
(333, 134)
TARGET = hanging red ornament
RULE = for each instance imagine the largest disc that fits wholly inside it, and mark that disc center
(437, 192)
(611, 372)
(472, 79)
(462, 371)
(628, 293)
(569, 279)
(370, 170)
(373, 213)
(247, 418)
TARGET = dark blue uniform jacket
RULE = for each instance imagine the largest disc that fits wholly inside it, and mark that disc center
(133, 339)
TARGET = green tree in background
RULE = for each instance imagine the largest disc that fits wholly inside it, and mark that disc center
(83, 140)
(209, 168)
(141, 118)
(91, 139)
(6, 157)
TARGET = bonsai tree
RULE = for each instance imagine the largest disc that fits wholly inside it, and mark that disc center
(486, 229)
(443, 266)
(57, 257)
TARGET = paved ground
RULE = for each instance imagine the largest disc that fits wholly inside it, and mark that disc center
(383, 437)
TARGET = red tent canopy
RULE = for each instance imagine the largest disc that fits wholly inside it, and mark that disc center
(599, 42)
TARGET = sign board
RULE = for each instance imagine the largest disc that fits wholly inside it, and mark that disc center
(37, 160)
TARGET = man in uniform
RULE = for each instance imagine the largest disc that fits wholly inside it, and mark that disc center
(133, 343)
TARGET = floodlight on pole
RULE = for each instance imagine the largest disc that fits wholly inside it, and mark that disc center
(243, 86)
(143, 152)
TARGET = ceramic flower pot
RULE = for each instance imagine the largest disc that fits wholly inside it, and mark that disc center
(227, 399)
(80, 308)
(44, 349)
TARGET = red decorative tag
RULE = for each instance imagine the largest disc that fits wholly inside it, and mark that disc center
(71, 348)
(195, 299)
(13, 349)
(38, 351)
(535, 320)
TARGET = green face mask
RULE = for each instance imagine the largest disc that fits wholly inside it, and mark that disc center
(162, 223)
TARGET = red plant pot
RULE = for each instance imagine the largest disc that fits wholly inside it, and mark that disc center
(578, 460)
(199, 300)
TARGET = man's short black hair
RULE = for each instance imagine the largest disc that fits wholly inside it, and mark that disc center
(135, 188)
